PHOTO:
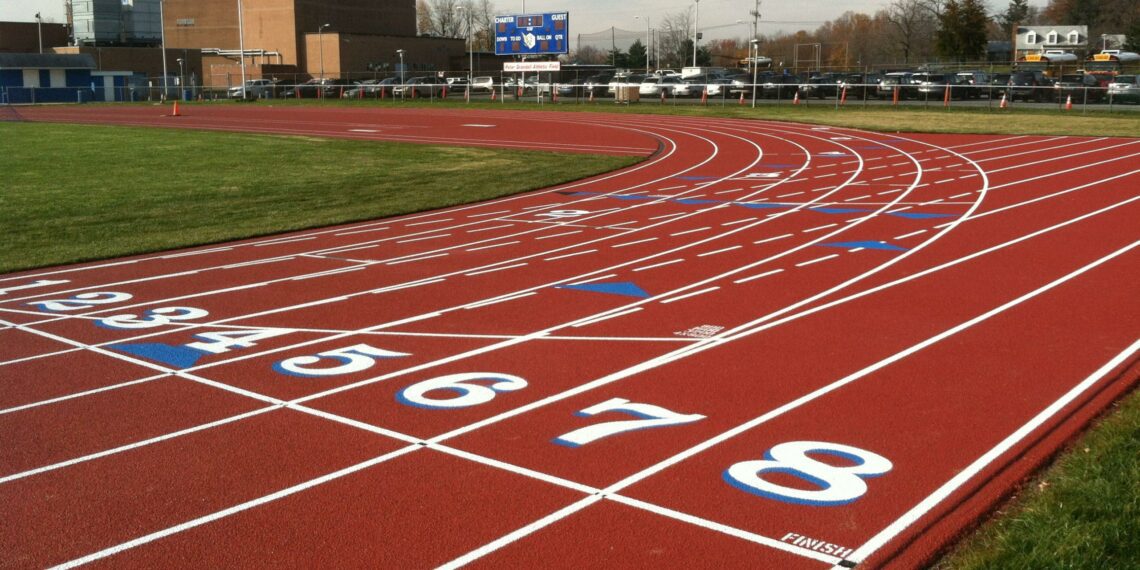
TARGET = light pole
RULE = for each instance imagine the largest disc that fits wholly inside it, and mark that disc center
(754, 53)
(696, 34)
(403, 89)
(181, 77)
(321, 40)
(241, 47)
(648, 41)
(40, 30)
(470, 48)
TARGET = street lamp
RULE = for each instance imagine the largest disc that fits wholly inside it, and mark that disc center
(754, 53)
(696, 34)
(403, 90)
(182, 78)
(321, 40)
(40, 30)
(470, 49)
(648, 41)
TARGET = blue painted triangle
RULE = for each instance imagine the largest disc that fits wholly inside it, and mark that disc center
(919, 216)
(175, 356)
(837, 210)
(626, 288)
(697, 201)
(864, 245)
(760, 206)
(633, 197)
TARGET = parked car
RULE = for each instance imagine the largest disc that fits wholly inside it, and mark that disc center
(361, 89)
(456, 85)
(654, 86)
(310, 89)
(999, 85)
(484, 83)
(861, 85)
(536, 85)
(254, 89)
(1125, 89)
(719, 87)
(902, 80)
(1081, 87)
(978, 82)
(1027, 85)
(423, 86)
(778, 87)
(597, 85)
(934, 85)
(820, 87)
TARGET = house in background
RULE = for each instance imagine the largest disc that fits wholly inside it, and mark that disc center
(45, 78)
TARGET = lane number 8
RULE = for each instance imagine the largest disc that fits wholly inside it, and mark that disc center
(836, 485)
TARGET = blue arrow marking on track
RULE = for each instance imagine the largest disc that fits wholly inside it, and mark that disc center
(837, 210)
(918, 216)
(175, 356)
(626, 288)
(698, 201)
(864, 245)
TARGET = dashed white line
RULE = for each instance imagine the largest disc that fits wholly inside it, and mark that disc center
(429, 222)
(766, 240)
(488, 214)
(423, 238)
(719, 251)
(575, 254)
(789, 195)
(689, 231)
(656, 265)
(668, 216)
(911, 234)
(415, 259)
(493, 246)
(857, 198)
(593, 279)
(363, 231)
(490, 228)
(498, 300)
(760, 276)
(817, 260)
(607, 317)
(406, 286)
(629, 243)
(739, 222)
(809, 230)
(504, 268)
(688, 295)
(559, 235)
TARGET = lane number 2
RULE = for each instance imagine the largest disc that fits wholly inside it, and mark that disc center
(82, 301)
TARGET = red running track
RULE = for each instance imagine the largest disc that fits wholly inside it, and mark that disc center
(768, 345)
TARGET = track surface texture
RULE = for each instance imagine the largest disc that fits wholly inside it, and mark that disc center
(767, 345)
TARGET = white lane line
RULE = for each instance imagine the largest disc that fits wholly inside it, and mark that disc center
(947, 181)
(498, 300)
(327, 273)
(689, 231)
(687, 295)
(406, 286)
(494, 270)
(817, 260)
(911, 234)
(283, 241)
(895, 191)
(415, 259)
(493, 246)
(423, 238)
(629, 243)
(760, 276)
(199, 252)
(766, 240)
(938, 201)
(827, 175)
(963, 195)
(789, 195)
(896, 210)
(714, 252)
(362, 231)
(489, 214)
(745, 220)
(656, 265)
(559, 235)
(593, 279)
(490, 228)
(729, 191)
(668, 216)
(620, 225)
(339, 251)
(607, 317)
(857, 198)
(575, 254)
(809, 230)
(258, 262)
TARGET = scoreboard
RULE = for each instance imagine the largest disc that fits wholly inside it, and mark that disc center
(532, 34)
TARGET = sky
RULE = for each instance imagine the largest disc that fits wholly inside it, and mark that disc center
(589, 16)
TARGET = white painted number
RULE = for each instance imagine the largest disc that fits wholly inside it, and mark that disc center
(82, 301)
(224, 341)
(153, 318)
(462, 388)
(653, 416)
(836, 485)
(564, 213)
(353, 359)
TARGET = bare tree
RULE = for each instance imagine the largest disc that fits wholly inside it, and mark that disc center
(675, 39)
(913, 23)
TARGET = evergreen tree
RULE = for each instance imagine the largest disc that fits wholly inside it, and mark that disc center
(947, 39)
(1016, 13)
(962, 30)
(1132, 40)
(636, 56)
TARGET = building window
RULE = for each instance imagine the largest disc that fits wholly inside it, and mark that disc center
(186, 22)
(1051, 39)
(1031, 38)
(1074, 37)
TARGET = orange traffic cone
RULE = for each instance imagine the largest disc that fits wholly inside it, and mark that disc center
(741, 97)
(1069, 103)
(175, 113)
(591, 95)
(843, 96)
(895, 96)
(705, 96)
(443, 93)
(946, 97)
(1003, 104)
(796, 98)
(492, 94)
(662, 95)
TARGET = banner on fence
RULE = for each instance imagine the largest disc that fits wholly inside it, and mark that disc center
(531, 66)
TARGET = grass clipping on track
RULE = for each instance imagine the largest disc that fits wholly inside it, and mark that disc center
(1083, 513)
(74, 193)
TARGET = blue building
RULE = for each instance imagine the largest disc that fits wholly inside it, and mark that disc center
(47, 78)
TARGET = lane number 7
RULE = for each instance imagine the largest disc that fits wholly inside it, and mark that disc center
(650, 417)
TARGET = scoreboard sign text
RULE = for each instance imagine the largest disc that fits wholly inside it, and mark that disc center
(532, 34)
